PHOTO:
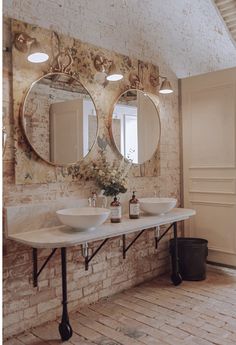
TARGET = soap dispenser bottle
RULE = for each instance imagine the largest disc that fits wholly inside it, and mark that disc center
(134, 209)
(115, 208)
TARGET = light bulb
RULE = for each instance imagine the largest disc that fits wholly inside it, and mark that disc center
(165, 87)
(114, 77)
(37, 57)
(165, 91)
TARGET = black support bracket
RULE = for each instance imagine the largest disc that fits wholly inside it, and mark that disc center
(158, 237)
(65, 328)
(85, 254)
(125, 249)
(36, 273)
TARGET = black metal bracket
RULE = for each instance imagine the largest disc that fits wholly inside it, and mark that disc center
(157, 234)
(125, 249)
(85, 254)
(36, 273)
(65, 328)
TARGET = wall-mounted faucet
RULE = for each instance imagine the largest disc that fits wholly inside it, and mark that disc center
(92, 200)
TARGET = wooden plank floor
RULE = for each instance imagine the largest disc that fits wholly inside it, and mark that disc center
(200, 313)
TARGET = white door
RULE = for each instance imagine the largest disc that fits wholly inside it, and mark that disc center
(209, 160)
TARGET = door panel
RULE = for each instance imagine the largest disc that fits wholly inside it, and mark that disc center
(209, 160)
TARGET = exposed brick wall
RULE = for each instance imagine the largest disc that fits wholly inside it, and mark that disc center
(37, 120)
(25, 306)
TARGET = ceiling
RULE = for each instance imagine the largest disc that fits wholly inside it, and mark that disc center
(188, 36)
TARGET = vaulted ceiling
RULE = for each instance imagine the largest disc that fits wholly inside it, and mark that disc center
(227, 9)
(188, 35)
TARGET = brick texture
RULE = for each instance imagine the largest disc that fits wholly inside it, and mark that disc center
(25, 306)
(154, 313)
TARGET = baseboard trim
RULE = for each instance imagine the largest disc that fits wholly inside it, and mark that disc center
(221, 265)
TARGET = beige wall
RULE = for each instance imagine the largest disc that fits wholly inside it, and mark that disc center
(209, 155)
(25, 306)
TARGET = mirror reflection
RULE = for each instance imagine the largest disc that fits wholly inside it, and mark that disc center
(136, 126)
(59, 119)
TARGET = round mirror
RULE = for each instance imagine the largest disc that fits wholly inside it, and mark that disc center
(136, 125)
(59, 119)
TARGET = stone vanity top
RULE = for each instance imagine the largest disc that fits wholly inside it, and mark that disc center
(62, 236)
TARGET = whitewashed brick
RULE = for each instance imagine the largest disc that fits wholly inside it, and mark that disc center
(45, 306)
(45, 301)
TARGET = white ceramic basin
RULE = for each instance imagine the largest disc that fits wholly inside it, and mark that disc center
(83, 218)
(157, 205)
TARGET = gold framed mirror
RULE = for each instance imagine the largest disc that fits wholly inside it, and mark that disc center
(59, 119)
(135, 125)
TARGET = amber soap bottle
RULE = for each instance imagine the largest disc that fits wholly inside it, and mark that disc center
(134, 209)
(115, 208)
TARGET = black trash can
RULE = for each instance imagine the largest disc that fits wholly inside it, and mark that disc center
(192, 253)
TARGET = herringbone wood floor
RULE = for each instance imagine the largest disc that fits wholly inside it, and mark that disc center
(200, 313)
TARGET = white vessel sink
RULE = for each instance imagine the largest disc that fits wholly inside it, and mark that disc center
(157, 205)
(83, 218)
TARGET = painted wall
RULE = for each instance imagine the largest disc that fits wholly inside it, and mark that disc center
(25, 306)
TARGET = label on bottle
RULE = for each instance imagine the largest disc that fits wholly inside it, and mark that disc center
(115, 212)
(134, 209)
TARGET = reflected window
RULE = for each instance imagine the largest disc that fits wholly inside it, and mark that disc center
(136, 126)
(126, 131)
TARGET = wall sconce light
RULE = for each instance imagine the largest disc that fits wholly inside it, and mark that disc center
(165, 87)
(26, 44)
(107, 67)
(114, 74)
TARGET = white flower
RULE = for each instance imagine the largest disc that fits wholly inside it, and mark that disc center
(112, 177)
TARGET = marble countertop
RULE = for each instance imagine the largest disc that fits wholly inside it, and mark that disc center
(64, 236)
